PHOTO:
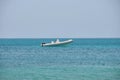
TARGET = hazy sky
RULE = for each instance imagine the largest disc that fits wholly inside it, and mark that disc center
(59, 18)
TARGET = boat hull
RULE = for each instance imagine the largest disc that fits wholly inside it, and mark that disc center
(58, 44)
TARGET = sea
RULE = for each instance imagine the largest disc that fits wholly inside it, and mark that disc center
(83, 59)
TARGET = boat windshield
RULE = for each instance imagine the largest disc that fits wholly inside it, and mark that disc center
(57, 41)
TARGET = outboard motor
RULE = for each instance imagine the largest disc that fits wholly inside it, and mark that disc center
(42, 44)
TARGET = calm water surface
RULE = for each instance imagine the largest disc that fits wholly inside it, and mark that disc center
(84, 59)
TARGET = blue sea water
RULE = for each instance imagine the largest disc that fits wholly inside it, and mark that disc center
(84, 59)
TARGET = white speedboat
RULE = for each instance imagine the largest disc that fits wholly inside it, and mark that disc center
(57, 43)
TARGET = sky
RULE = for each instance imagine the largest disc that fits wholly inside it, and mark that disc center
(59, 18)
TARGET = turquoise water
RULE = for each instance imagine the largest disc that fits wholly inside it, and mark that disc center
(84, 59)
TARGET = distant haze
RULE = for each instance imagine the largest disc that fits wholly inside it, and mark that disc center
(59, 18)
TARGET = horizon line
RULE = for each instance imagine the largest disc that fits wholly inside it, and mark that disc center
(66, 38)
